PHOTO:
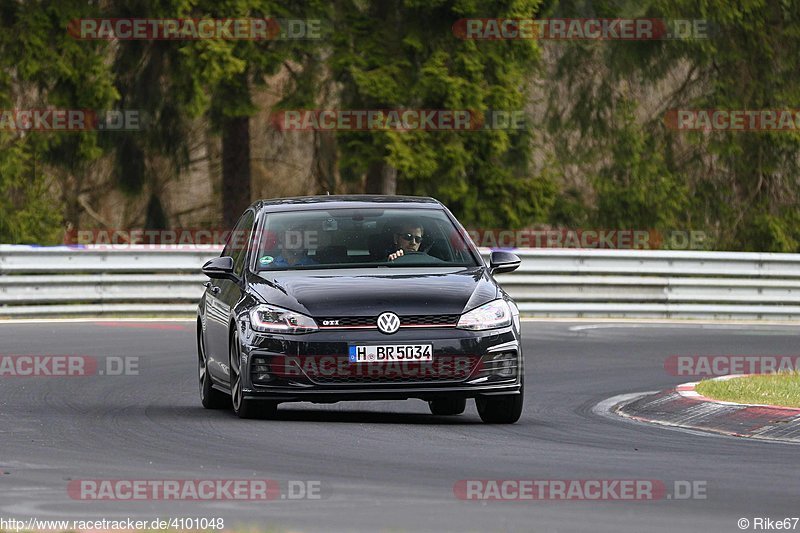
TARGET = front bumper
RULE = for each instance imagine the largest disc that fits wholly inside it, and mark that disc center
(315, 366)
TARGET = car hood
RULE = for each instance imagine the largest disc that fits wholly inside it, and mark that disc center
(365, 292)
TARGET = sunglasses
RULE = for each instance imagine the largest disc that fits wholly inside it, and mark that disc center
(409, 237)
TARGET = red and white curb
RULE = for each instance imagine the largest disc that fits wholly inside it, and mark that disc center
(684, 408)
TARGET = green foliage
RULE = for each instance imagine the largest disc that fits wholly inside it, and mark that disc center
(636, 189)
(608, 158)
(404, 55)
(739, 187)
(30, 213)
(43, 66)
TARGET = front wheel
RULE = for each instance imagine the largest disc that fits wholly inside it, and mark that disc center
(242, 407)
(210, 397)
(503, 409)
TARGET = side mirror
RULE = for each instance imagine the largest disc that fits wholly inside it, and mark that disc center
(220, 268)
(501, 262)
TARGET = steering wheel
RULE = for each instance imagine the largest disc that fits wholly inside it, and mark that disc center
(408, 256)
(416, 258)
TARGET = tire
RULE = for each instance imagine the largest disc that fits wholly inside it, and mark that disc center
(448, 406)
(210, 397)
(504, 409)
(242, 407)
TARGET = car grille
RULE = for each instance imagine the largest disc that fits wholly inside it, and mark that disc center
(418, 321)
(429, 320)
(337, 370)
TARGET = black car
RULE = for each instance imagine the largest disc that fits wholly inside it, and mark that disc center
(332, 298)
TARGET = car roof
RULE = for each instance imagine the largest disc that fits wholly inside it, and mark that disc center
(352, 201)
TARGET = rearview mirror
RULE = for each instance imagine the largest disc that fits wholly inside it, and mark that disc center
(501, 262)
(220, 268)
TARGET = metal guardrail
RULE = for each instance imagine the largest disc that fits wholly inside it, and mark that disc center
(101, 281)
(64, 281)
(656, 284)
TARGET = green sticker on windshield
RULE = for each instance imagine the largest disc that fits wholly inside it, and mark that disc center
(267, 259)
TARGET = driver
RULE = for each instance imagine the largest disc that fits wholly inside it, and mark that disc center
(407, 238)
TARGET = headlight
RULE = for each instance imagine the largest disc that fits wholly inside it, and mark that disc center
(495, 314)
(271, 319)
(515, 315)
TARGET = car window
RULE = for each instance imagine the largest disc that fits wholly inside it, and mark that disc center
(238, 242)
(345, 238)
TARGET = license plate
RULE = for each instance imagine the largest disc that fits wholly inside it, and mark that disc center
(391, 352)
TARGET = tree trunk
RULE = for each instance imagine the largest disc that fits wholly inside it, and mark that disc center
(325, 158)
(235, 168)
(381, 179)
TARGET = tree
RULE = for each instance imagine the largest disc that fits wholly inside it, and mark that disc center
(248, 64)
(610, 99)
(404, 55)
(44, 67)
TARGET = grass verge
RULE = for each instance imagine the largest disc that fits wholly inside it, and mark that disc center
(774, 389)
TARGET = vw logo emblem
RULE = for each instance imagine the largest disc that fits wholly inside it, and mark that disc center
(388, 323)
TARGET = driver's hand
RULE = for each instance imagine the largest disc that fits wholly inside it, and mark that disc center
(395, 255)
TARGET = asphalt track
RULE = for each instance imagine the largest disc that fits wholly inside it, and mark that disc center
(385, 465)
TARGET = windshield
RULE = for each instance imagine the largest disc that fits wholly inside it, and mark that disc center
(371, 237)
